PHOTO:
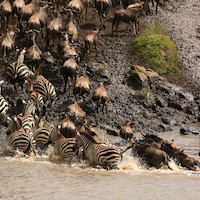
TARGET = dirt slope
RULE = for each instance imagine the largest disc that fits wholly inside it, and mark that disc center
(112, 65)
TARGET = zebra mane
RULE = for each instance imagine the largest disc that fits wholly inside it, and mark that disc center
(88, 136)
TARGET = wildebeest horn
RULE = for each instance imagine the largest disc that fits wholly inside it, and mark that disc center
(17, 30)
(35, 30)
(142, 133)
(68, 10)
(30, 31)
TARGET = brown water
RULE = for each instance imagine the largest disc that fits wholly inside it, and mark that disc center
(44, 177)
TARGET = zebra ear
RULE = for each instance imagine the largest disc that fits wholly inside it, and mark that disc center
(1, 82)
(24, 102)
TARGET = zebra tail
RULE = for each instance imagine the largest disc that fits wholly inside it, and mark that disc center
(127, 148)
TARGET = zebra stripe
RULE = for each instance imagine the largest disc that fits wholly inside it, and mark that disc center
(42, 136)
(45, 88)
(18, 70)
(17, 121)
(65, 146)
(11, 71)
(28, 122)
(3, 106)
(14, 125)
(99, 154)
(22, 140)
(22, 71)
(37, 98)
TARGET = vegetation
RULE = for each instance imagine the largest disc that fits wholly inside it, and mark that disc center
(157, 51)
(145, 93)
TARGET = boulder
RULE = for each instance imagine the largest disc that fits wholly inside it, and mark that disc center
(140, 79)
(99, 69)
(153, 76)
(138, 68)
(189, 130)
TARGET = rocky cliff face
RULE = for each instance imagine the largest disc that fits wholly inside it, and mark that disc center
(157, 105)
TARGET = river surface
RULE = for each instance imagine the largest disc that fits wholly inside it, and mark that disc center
(46, 177)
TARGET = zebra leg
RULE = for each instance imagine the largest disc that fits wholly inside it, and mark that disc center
(33, 146)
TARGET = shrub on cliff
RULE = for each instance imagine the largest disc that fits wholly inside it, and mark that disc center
(157, 51)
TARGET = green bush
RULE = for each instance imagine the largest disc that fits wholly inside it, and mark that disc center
(157, 51)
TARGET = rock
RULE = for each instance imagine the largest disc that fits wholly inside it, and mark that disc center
(110, 130)
(173, 90)
(99, 69)
(189, 131)
(174, 104)
(140, 79)
(153, 76)
(163, 127)
(166, 120)
(160, 101)
(138, 68)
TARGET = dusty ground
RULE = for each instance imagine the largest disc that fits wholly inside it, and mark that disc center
(112, 65)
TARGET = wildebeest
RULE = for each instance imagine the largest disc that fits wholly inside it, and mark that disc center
(132, 14)
(153, 156)
(126, 132)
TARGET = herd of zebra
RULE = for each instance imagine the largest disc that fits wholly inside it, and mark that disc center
(26, 131)
(73, 138)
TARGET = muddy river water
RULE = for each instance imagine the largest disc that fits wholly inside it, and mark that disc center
(45, 177)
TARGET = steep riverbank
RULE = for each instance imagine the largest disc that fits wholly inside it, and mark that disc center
(169, 107)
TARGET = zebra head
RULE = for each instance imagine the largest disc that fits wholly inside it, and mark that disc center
(29, 108)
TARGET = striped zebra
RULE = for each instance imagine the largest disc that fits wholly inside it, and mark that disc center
(35, 96)
(25, 119)
(3, 103)
(22, 140)
(3, 106)
(18, 71)
(63, 146)
(42, 136)
(100, 154)
(44, 87)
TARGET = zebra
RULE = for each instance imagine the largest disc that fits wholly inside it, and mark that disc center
(18, 71)
(22, 140)
(42, 136)
(101, 154)
(63, 146)
(3, 105)
(44, 87)
(25, 119)
(35, 96)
